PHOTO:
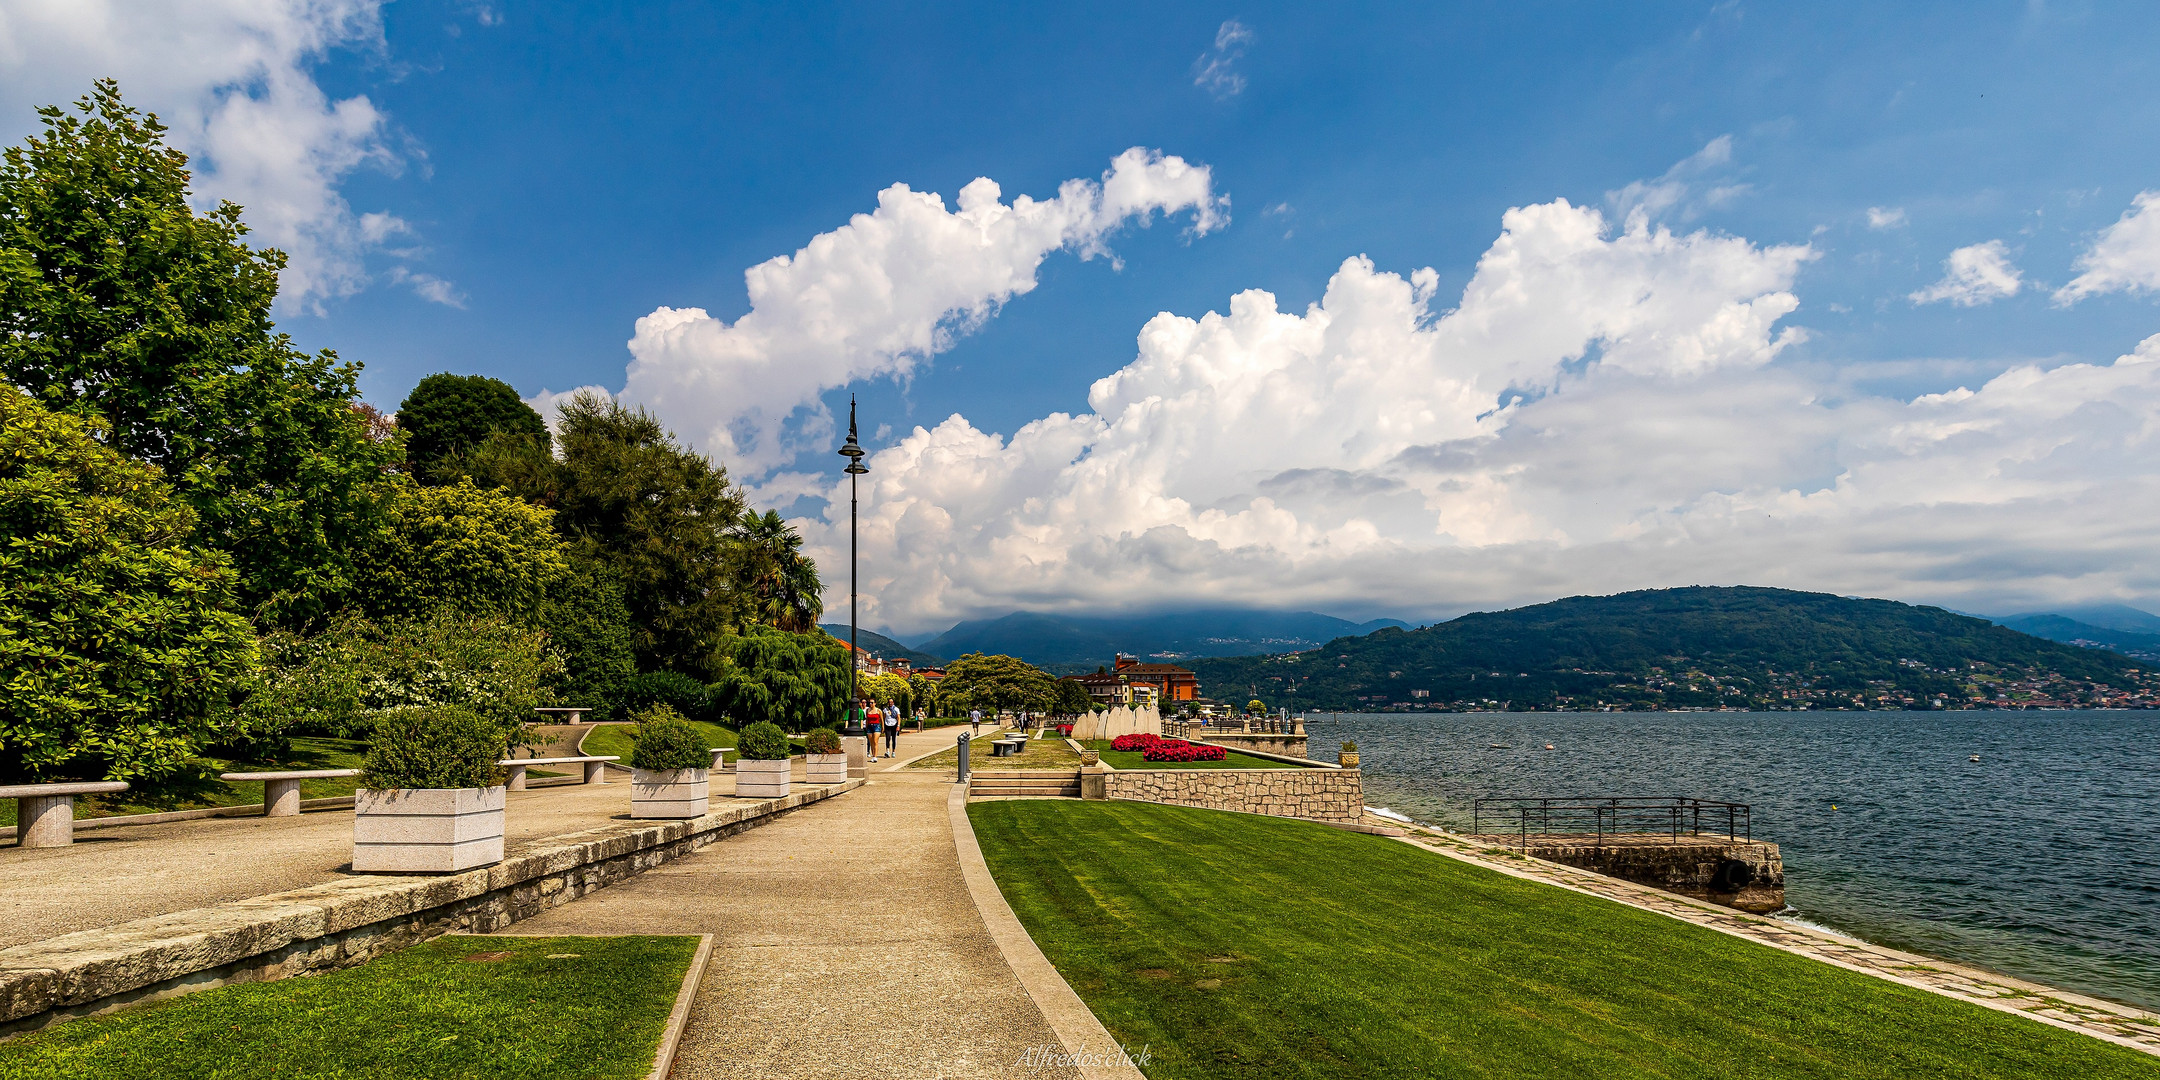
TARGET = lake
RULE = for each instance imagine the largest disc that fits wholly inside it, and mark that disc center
(2041, 860)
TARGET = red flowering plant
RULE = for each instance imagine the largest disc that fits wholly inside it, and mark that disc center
(1180, 750)
(1141, 741)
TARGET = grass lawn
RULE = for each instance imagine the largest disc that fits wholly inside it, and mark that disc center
(1050, 753)
(1131, 759)
(616, 739)
(427, 1012)
(1233, 945)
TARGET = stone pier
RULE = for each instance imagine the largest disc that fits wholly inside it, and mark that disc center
(1737, 873)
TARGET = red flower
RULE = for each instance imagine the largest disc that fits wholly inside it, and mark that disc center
(1180, 750)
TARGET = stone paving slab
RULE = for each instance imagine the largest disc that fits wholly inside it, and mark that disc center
(2112, 1021)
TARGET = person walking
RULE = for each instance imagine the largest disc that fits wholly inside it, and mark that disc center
(873, 722)
(892, 732)
(974, 721)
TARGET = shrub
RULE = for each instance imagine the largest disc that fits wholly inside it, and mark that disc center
(822, 740)
(666, 741)
(1180, 750)
(687, 696)
(340, 681)
(796, 681)
(763, 741)
(446, 746)
(1140, 741)
(1349, 748)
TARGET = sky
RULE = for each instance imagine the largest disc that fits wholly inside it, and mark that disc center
(1377, 310)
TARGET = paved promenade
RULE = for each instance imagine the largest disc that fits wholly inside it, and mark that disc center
(846, 945)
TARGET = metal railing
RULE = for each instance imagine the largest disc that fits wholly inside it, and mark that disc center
(1675, 816)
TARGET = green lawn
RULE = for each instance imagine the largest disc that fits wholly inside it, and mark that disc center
(596, 1009)
(1233, 945)
(616, 739)
(1131, 759)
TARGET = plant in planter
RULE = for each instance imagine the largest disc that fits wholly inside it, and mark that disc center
(823, 758)
(762, 769)
(670, 760)
(1348, 757)
(431, 793)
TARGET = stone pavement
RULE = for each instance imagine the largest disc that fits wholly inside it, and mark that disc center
(2108, 1020)
(846, 944)
(118, 873)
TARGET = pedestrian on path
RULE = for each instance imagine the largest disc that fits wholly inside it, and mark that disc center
(892, 732)
(872, 721)
(974, 721)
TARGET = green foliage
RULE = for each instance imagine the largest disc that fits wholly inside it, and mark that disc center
(795, 681)
(666, 741)
(670, 689)
(117, 638)
(1670, 648)
(342, 681)
(437, 746)
(1072, 698)
(887, 689)
(779, 586)
(589, 628)
(448, 416)
(822, 740)
(461, 548)
(118, 300)
(1349, 747)
(995, 682)
(922, 695)
(1255, 707)
(764, 741)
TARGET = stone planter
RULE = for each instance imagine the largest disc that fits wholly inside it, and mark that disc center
(669, 793)
(826, 768)
(761, 779)
(1347, 759)
(427, 830)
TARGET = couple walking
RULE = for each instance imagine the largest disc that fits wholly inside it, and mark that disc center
(886, 720)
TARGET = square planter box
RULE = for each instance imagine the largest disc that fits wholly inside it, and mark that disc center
(826, 768)
(427, 830)
(762, 779)
(670, 793)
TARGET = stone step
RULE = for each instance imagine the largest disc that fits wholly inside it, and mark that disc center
(1024, 789)
(1064, 776)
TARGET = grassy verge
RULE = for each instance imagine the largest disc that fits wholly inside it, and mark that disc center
(1238, 946)
(1131, 759)
(554, 1007)
(616, 739)
(1050, 754)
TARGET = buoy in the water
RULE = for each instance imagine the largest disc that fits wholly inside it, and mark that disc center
(1548, 746)
(1975, 757)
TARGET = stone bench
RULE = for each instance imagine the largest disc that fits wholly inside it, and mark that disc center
(281, 790)
(595, 768)
(1007, 747)
(718, 753)
(577, 712)
(45, 813)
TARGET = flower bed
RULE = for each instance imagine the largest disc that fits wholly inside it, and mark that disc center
(1179, 750)
(1135, 742)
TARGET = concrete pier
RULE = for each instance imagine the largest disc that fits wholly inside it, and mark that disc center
(1736, 873)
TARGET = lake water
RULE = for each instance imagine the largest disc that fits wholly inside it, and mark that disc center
(2040, 860)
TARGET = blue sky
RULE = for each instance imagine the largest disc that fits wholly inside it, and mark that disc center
(551, 174)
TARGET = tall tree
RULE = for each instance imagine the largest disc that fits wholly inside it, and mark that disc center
(779, 583)
(118, 300)
(997, 682)
(448, 417)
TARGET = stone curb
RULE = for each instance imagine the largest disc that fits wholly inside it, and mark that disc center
(664, 1061)
(1076, 1025)
(341, 923)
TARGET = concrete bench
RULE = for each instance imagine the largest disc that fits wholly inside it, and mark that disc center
(595, 768)
(577, 712)
(281, 790)
(718, 752)
(45, 813)
(1007, 747)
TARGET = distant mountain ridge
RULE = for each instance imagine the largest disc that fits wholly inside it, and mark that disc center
(1078, 642)
(880, 645)
(1695, 647)
(2115, 627)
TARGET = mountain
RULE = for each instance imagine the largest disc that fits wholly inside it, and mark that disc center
(886, 647)
(2056, 626)
(1688, 648)
(1082, 642)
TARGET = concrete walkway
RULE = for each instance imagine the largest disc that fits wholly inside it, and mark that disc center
(846, 944)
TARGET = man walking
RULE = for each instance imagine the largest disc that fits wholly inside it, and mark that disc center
(974, 721)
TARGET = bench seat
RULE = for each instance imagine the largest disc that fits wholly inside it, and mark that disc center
(595, 767)
(281, 789)
(45, 813)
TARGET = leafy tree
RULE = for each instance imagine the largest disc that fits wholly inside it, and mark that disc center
(589, 627)
(1072, 698)
(117, 634)
(449, 416)
(998, 682)
(460, 547)
(779, 584)
(671, 689)
(921, 694)
(358, 671)
(118, 300)
(797, 681)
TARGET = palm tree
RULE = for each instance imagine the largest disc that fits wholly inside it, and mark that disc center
(780, 583)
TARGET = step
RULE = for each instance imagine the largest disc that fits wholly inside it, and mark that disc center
(1072, 775)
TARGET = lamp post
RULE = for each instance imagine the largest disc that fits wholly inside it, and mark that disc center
(854, 453)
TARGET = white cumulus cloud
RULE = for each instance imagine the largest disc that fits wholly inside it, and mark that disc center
(878, 296)
(2125, 257)
(231, 78)
(1974, 275)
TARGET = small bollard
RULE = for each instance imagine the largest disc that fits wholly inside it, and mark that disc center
(964, 739)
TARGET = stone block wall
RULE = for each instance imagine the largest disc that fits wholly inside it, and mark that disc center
(1286, 745)
(1319, 794)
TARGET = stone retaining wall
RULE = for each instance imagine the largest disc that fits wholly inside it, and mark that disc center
(1744, 874)
(1285, 745)
(1319, 794)
(342, 923)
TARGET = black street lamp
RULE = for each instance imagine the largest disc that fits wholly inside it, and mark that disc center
(854, 453)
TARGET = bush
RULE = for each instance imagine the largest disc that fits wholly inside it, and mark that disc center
(446, 746)
(1180, 750)
(666, 741)
(822, 740)
(688, 697)
(796, 681)
(340, 681)
(1140, 741)
(1349, 748)
(763, 741)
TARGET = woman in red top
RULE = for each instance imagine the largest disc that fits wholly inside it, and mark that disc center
(872, 721)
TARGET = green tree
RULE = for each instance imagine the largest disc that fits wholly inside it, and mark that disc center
(998, 682)
(778, 583)
(118, 300)
(117, 636)
(461, 547)
(359, 670)
(1072, 698)
(589, 627)
(921, 695)
(448, 417)
(797, 681)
